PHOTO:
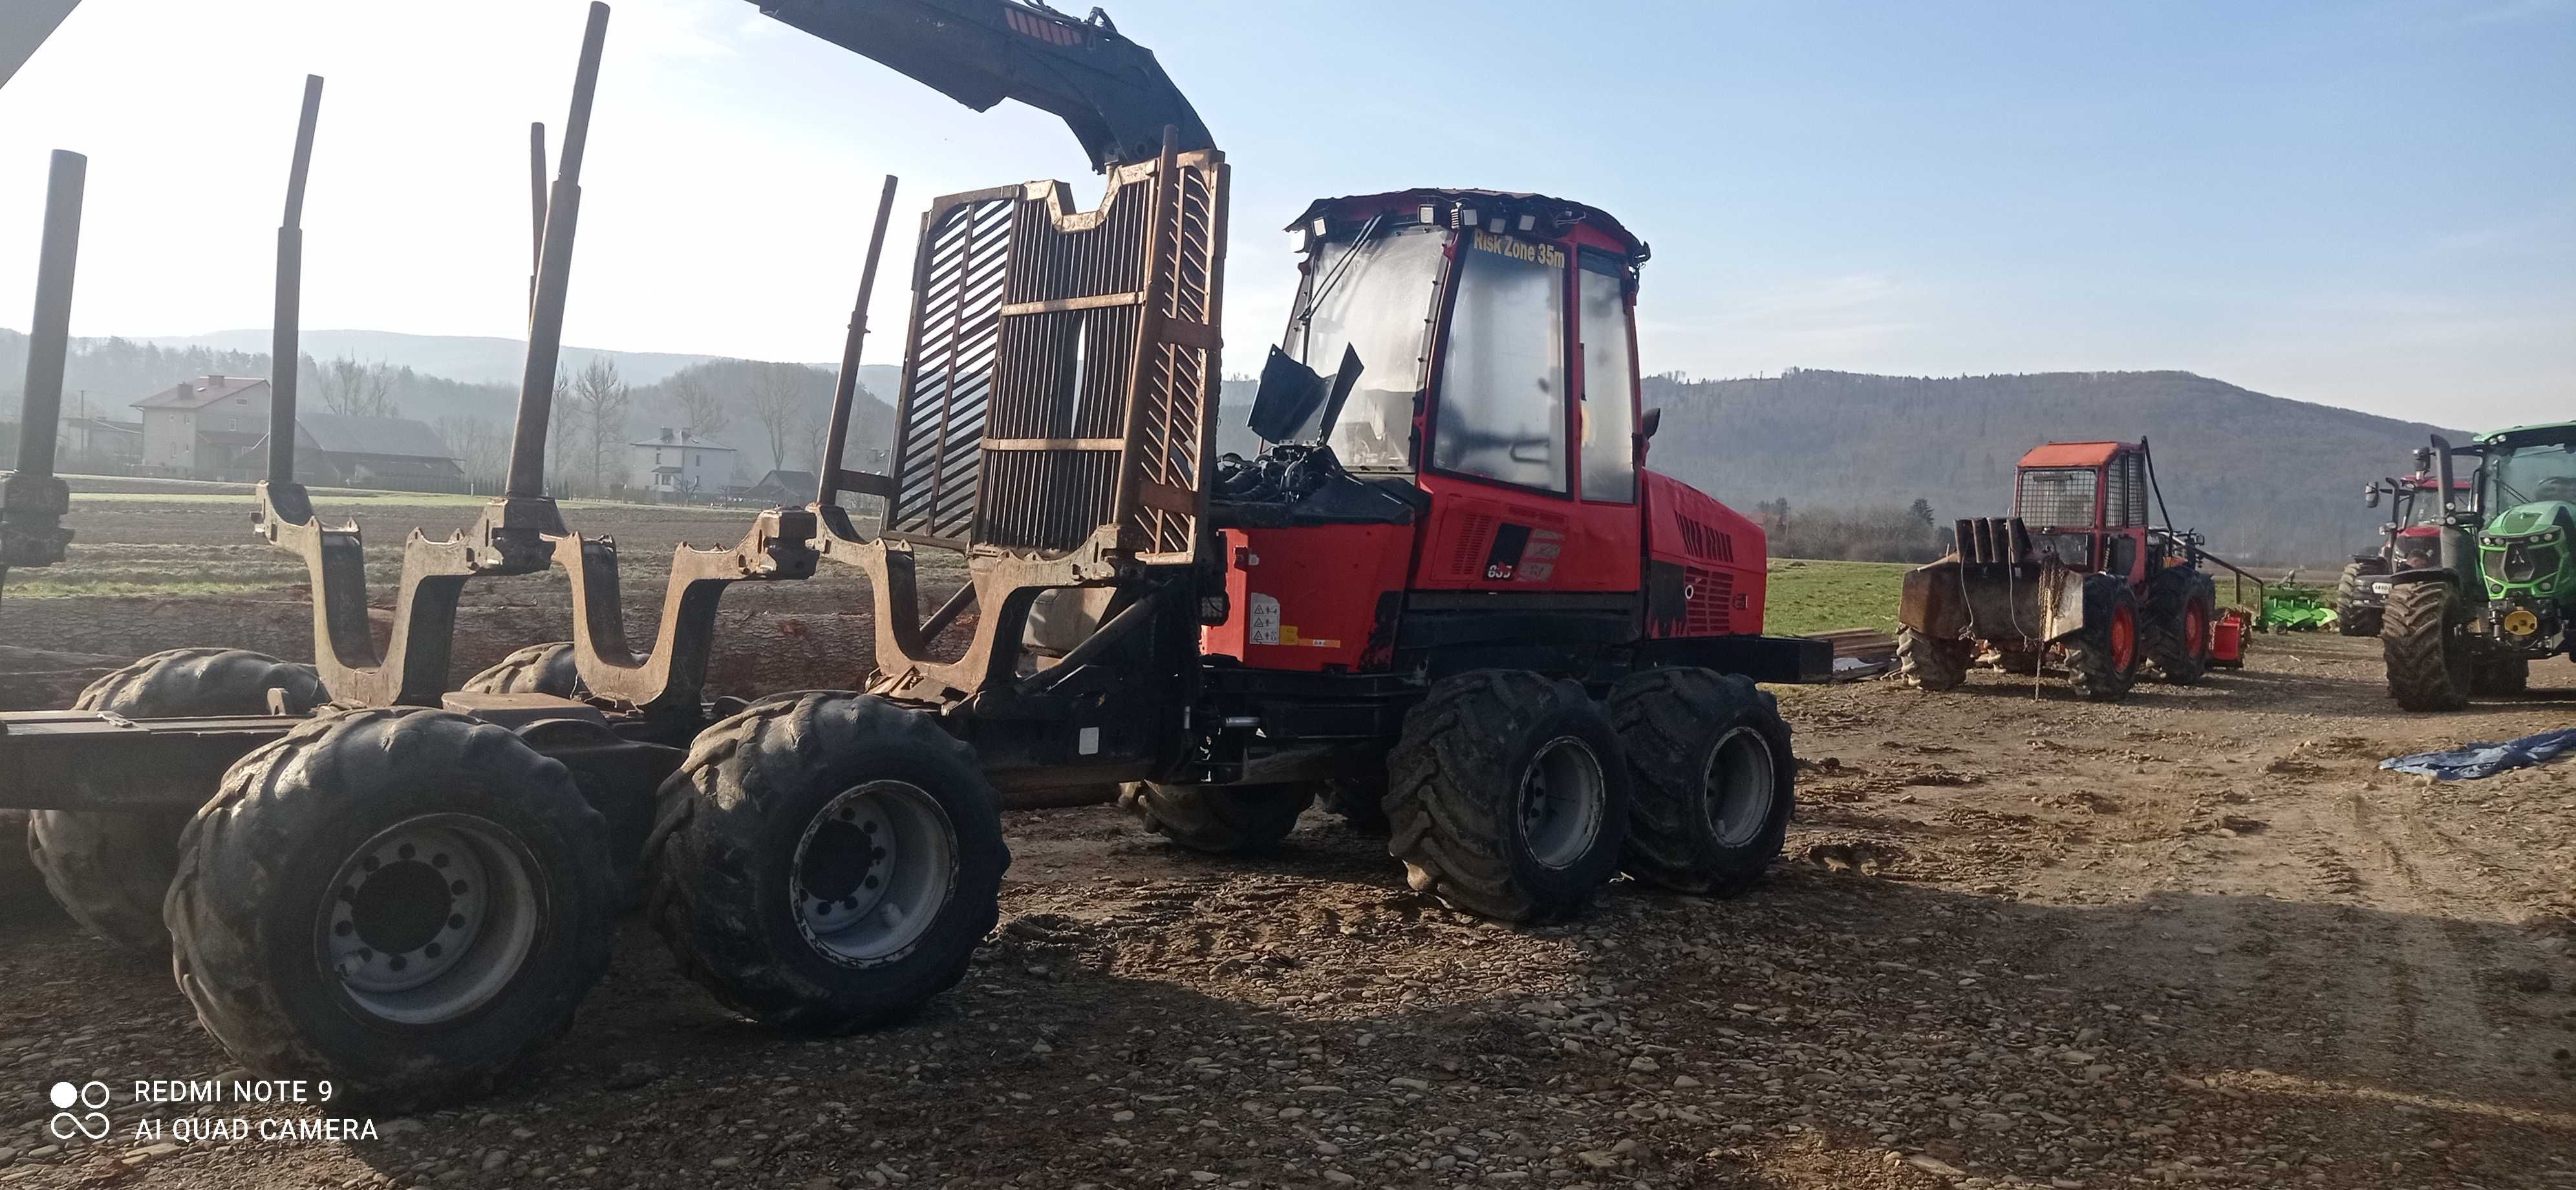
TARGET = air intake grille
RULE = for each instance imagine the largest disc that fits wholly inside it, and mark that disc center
(1710, 603)
(1699, 540)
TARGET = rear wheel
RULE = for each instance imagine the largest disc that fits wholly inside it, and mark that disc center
(537, 669)
(1712, 779)
(1930, 662)
(1219, 819)
(1508, 795)
(110, 871)
(2429, 664)
(828, 861)
(2353, 617)
(407, 902)
(2102, 657)
(2176, 633)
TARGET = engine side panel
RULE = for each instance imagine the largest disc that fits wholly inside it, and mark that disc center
(1312, 598)
(1706, 566)
(1485, 537)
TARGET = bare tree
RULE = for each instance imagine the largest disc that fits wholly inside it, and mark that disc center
(701, 410)
(356, 389)
(776, 403)
(482, 447)
(563, 429)
(604, 401)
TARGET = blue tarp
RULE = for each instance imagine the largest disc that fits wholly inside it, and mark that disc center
(2472, 761)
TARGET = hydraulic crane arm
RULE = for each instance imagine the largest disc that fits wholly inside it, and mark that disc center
(1108, 89)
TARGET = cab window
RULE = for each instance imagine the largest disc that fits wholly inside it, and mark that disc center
(1606, 418)
(1502, 412)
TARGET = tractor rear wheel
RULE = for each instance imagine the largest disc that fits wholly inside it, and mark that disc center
(827, 861)
(1508, 794)
(2175, 633)
(2102, 657)
(2504, 674)
(1219, 819)
(537, 669)
(110, 871)
(2352, 617)
(2429, 665)
(1931, 663)
(1713, 781)
(404, 901)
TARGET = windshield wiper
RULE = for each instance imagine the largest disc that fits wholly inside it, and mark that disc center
(1316, 293)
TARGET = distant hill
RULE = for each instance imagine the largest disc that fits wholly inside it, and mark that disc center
(472, 359)
(2268, 479)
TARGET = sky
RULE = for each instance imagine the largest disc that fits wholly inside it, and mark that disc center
(2370, 204)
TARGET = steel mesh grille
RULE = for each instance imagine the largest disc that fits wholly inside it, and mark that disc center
(1711, 607)
(2057, 496)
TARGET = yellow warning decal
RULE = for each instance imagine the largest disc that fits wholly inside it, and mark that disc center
(1520, 249)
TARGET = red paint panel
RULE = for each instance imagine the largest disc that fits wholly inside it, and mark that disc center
(1724, 557)
(1486, 537)
(1306, 597)
(2072, 454)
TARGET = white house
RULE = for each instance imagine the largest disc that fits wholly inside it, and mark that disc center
(680, 463)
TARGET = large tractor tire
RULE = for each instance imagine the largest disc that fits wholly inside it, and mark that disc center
(827, 862)
(1509, 796)
(1931, 663)
(1219, 819)
(110, 871)
(2102, 657)
(2175, 632)
(1713, 783)
(404, 901)
(2430, 666)
(2504, 674)
(537, 669)
(2352, 617)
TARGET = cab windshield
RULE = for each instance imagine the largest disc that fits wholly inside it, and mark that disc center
(2536, 471)
(1374, 298)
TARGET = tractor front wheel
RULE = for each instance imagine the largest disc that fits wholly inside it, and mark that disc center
(1219, 819)
(406, 902)
(827, 861)
(1712, 777)
(1508, 794)
(2505, 674)
(2102, 657)
(2352, 617)
(110, 871)
(1931, 663)
(2176, 633)
(2429, 665)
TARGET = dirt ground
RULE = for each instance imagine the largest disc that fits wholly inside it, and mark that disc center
(2194, 939)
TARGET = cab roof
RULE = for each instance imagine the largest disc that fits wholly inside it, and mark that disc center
(2075, 454)
(1554, 213)
(2564, 431)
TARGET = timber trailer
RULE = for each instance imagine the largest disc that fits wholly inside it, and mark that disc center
(2410, 540)
(1446, 596)
(2078, 579)
(2501, 590)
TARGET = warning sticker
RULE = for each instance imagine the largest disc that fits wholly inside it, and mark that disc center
(1261, 619)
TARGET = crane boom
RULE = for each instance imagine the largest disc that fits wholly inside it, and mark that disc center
(1109, 90)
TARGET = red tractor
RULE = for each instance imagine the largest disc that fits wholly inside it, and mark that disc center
(2411, 540)
(2077, 580)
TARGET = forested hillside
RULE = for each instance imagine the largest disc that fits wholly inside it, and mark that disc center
(2269, 479)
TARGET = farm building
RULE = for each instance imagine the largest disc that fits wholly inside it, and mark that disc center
(781, 487)
(216, 427)
(677, 462)
(197, 427)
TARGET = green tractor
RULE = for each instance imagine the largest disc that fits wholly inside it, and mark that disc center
(2504, 589)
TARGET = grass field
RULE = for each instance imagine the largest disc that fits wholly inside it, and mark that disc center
(1822, 596)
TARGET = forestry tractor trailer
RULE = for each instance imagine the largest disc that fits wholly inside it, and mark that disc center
(1447, 596)
(2078, 579)
(2501, 589)
(2410, 540)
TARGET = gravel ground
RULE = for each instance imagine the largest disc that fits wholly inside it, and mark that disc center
(2016, 941)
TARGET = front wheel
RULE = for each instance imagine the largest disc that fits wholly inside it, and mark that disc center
(1714, 782)
(1508, 795)
(1931, 663)
(2176, 634)
(2353, 616)
(2429, 663)
(828, 861)
(407, 902)
(2102, 657)
(2504, 675)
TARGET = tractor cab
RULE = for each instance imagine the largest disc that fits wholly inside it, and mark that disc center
(2414, 529)
(1452, 426)
(2086, 505)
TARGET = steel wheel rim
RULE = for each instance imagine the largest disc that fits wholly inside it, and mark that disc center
(431, 918)
(872, 871)
(1741, 776)
(1564, 798)
(2124, 638)
(2195, 628)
